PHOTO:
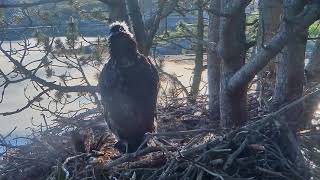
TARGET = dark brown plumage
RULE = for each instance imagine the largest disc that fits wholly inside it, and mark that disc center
(129, 87)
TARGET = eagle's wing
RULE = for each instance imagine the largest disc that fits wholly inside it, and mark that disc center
(155, 86)
(144, 92)
(107, 81)
(129, 97)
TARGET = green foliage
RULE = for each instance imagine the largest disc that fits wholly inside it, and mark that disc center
(182, 30)
(63, 78)
(2, 17)
(97, 55)
(45, 61)
(59, 44)
(187, 28)
(58, 96)
(96, 13)
(59, 173)
(42, 39)
(252, 26)
(72, 33)
(49, 72)
(39, 99)
(314, 29)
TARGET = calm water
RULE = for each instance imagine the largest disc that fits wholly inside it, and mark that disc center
(14, 97)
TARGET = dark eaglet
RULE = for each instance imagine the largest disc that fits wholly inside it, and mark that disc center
(129, 85)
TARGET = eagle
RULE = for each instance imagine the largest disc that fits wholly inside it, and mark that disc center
(129, 85)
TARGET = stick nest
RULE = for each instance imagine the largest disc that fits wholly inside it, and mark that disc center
(186, 146)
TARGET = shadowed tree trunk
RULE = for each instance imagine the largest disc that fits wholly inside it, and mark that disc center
(289, 85)
(145, 31)
(214, 62)
(290, 70)
(137, 24)
(235, 75)
(118, 10)
(232, 50)
(197, 72)
(269, 18)
(312, 71)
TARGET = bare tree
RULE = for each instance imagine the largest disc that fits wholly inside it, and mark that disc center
(214, 61)
(290, 70)
(64, 62)
(145, 31)
(232, 50)
(269, 21)
(312, 80)
(312, 68)
(235, 75)
(199, 50)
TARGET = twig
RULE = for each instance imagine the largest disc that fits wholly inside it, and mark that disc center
(168, 170)
(235, 154)
(65, 163)
(279, 174)
(209, 172)
(131, 156)
(182, 133)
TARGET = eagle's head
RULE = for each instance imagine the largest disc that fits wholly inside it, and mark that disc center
(121, 41)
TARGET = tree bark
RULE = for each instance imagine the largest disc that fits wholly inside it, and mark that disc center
(214, 62)
(146, 31)
(137, 24)
(165, 8)
(234, 76)
(288, 30)
(269, 18)
(118, 10)
(312, 69)
(312, 72)
(290, 70)
(197, 72)
(232, 50)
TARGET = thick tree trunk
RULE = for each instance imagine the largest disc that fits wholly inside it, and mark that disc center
(152, 25)
(137, 24)
(289, 84)
(269, 18)
(312, 69)
(312, 72)
(232, 50)
(118, 11)
(197, 72)
(146, 31)
(290, 70)
(214, 63)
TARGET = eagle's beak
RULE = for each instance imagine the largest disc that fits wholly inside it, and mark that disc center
(115, 33)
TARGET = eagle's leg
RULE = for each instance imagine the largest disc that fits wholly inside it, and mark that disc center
(126, 144)
(121, 146)
(142, 145)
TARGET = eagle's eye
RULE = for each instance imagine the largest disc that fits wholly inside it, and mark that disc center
(121, 29)
(116, 30)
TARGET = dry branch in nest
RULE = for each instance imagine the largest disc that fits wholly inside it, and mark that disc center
(265, 149)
